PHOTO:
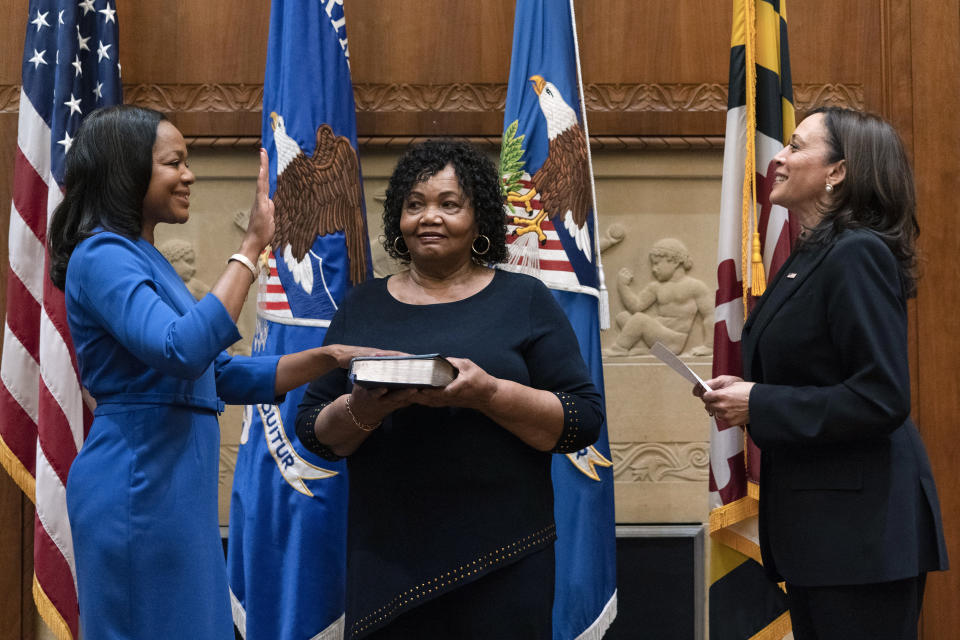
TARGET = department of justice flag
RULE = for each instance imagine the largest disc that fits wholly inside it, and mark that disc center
(760, 119)
(287, 546)
(70, 67)
(548, 190)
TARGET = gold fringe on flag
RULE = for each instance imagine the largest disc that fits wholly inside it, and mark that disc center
(48, 611)
(17, 471)
(757, 283)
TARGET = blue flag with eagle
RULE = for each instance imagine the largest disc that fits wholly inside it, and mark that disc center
(286, 552)
(548, 189)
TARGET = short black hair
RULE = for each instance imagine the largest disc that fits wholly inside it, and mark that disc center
(477, 176)
(107, 173)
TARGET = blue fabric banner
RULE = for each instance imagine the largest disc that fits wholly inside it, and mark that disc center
(286, 552)
(548, 189)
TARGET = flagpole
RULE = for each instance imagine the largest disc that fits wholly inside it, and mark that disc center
(604, 305)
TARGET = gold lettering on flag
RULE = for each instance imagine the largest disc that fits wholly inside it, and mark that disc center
(294, 469)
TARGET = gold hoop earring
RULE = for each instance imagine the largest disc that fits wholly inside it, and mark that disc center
(405, 252)
(485, 249)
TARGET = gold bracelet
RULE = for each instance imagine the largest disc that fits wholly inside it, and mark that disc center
(360, 425)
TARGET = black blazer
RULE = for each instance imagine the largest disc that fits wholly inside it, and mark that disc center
(846, 491)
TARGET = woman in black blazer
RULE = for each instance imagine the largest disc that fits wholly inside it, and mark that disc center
(849, 516)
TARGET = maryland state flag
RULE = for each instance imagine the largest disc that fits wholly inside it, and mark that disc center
(548, 189)
(755, 238)
(287, 547)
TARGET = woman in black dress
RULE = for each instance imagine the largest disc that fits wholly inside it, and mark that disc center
(451, 504)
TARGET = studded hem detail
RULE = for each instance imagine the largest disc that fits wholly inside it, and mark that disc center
(436, 586)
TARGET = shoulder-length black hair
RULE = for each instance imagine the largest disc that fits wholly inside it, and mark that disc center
(877, 192)
(107, 173)
(477, 177)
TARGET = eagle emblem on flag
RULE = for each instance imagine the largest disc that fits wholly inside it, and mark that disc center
(562, 183)
(317, 195)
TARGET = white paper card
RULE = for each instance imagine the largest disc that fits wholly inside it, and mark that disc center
(675, 363)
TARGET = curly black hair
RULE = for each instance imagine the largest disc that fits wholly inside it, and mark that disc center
(476, 175)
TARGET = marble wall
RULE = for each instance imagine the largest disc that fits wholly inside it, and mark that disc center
(658, 217)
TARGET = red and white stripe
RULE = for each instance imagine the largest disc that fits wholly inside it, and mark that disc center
(547, 261)
(44, 419)
(272, 302)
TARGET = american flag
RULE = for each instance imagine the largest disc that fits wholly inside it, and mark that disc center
(70, 68)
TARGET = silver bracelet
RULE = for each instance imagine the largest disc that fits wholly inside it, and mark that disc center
(245, 261)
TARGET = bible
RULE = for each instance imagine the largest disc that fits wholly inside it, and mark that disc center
(428, 370)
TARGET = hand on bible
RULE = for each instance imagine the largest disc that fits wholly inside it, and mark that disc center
(472, 388)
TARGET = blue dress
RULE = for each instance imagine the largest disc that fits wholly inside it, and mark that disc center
(142, 492)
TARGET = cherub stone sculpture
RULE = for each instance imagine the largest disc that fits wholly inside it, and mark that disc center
(667, 308)
(181, 255)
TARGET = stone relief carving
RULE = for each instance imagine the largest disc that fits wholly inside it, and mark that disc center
(613, 236)
(241, 218)
(660, 461)
(181, 255)
(666, 309)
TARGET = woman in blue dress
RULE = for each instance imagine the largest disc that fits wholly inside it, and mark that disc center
(142, 492)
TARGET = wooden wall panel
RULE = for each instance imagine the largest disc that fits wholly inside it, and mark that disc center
(202, 61)
(650, 68)
(935, 44)
(17, 611)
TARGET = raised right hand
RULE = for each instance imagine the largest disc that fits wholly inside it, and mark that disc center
(261, 226)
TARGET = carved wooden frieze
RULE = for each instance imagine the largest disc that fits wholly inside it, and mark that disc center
(656, 97)
(196, 97)
(808, 96)
(459, 96)
(464, 97)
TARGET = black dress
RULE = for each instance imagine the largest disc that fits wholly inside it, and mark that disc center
(440, 497)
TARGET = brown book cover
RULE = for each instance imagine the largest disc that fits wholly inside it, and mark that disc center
(427, 370)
